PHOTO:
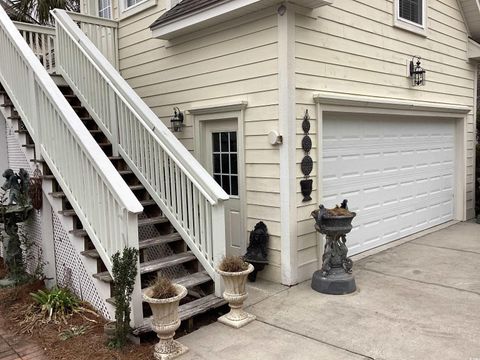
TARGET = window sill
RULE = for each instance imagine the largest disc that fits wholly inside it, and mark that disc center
(404, 25)
(137, 8)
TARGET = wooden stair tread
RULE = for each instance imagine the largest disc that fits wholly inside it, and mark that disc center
(187, 311)
(154, 265)
(48, 177)
(147, 202)
(152, 221)
(159, 240)
(79, 232)
(61, 194)
(143, 244)
(68, 212)
(29, 146)
(176, 259)
(194, 279)
(188, 281)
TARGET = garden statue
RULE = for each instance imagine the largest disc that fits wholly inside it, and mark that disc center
(14, 208)
(257, 250)
(335, 276)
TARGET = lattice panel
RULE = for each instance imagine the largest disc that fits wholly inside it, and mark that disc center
(71, 272)
(160, 251)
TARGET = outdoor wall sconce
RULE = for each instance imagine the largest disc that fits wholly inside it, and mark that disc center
(417, 73)
(177, 120)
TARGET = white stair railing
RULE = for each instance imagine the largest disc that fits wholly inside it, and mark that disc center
(184, 190)
(101, 199)
(41, 40)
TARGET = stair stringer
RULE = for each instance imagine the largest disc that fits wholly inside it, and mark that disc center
(90, 265)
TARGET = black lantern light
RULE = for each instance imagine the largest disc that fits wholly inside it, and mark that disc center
(417, 73)
(177, 120)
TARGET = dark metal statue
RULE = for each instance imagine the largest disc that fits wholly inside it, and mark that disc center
(257, 249)
(14, 209)
(335, 276)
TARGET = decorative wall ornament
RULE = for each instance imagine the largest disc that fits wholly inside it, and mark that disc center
(307, 161)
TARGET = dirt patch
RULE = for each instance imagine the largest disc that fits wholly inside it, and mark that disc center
(14, 305)
(3, 268)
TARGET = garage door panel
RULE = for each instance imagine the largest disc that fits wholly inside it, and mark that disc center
(397, 173)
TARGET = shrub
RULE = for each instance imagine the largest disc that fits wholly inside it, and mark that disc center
(162, 288)
(233, 264)
(124, 273)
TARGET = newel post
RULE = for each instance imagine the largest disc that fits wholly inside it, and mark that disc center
(219, 243)
(132, 241)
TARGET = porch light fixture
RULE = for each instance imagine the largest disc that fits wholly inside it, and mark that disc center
(177, 120)
(417, 73)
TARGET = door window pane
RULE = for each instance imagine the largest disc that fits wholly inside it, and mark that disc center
(224, 159)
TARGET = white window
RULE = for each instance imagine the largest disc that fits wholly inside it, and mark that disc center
(411, 15)
(130, 3)
(105, 9)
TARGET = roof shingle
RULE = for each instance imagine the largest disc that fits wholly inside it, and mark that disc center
(185, 7)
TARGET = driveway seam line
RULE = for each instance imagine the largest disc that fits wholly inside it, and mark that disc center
(420, 281)
(446, 248)
(317, 340)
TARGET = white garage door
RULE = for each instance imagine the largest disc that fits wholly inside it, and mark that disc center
(396, 172)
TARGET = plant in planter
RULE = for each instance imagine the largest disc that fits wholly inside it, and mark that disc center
(234, 271)
(124, 273)
(164, 298)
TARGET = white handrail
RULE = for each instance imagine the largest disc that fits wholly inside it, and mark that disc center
(100, 197)
(185, 191)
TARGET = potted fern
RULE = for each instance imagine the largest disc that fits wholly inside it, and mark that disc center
(164, 297)
(234, 271)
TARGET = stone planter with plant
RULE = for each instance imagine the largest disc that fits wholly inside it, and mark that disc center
(234, 271)
(164, 299)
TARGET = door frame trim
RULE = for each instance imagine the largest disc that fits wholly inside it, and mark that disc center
(231, 111)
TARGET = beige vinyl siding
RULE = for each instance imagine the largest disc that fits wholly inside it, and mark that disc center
(231, 61)
(351, 47)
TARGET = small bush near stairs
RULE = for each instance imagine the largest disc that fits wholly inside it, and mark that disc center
(124, 272)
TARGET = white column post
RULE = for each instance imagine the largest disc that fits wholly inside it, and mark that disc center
(112, 104)
(132, 241)
(219, 242)
(287, 127)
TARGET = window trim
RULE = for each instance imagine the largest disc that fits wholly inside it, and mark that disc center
(135, 9)
(405, 24)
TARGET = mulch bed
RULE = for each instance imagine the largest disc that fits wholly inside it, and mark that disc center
(90, 346)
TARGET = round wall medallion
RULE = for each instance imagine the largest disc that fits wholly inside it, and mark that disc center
(306, 143)
(306, 126)
(307, 165)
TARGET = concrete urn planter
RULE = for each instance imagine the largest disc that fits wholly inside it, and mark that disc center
(165, 322)
(235, 294)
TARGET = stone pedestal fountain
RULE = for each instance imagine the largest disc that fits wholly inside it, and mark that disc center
(335, 277)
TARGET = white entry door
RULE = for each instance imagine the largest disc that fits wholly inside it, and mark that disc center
(396, 172)
(221, 158)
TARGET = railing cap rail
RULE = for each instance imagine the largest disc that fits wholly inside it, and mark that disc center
(89, 19)
(172, 144)
(43, 29)
(109, 174)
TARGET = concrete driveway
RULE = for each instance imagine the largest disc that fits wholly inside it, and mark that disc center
(417, 300)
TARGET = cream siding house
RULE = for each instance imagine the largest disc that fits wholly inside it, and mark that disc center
(403, 155)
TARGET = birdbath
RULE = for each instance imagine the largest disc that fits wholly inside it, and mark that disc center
(335, 277)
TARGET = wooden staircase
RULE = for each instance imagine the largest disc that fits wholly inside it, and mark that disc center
(162, 250)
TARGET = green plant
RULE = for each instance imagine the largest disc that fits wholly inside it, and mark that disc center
(124, 273)
(162, 288)
(73, 331)
(233, 264)
(56, 304)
